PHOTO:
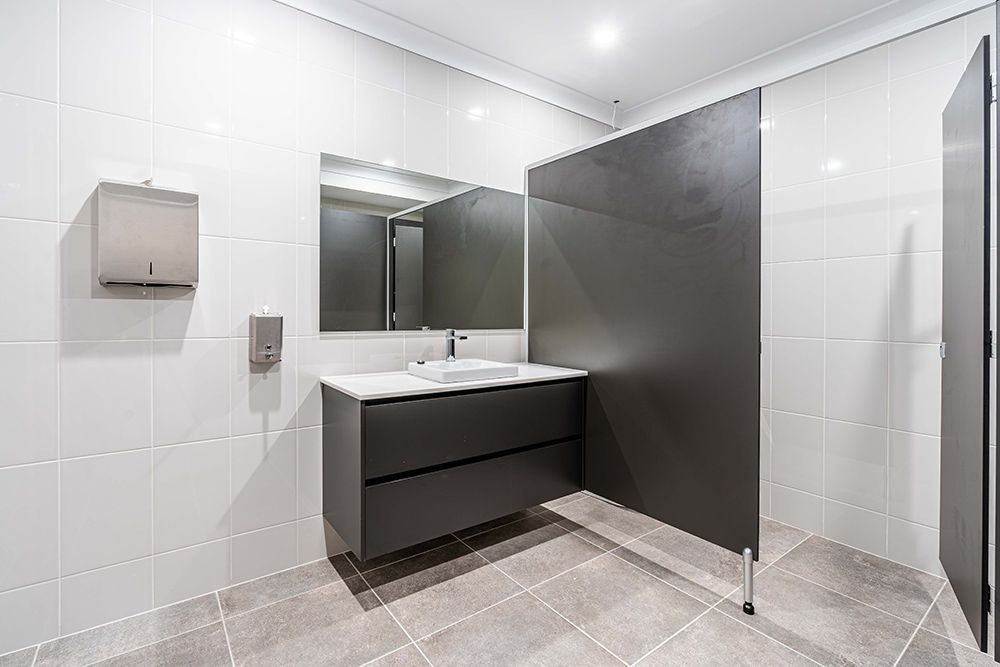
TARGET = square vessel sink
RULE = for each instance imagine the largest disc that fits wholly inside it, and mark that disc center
(462, 370)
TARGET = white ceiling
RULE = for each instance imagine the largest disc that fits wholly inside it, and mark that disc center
(662, 44)
(544, 47)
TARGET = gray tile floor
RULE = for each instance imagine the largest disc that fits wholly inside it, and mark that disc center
(576, 582)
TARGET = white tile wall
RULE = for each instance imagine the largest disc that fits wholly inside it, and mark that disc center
(851, 215)
(137, 435)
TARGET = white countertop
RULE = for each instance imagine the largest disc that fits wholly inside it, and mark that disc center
(370, 386)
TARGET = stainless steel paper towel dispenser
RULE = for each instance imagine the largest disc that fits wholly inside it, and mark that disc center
(146, 235)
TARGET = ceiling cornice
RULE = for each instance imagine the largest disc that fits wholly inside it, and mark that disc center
(876, 27)
(394, 30)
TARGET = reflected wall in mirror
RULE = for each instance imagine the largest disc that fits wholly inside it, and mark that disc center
(407, 251)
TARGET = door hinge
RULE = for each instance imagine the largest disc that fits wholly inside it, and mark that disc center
(989, 344)
(943, 349)
(988, 598)
(394, 317)
(393, 241)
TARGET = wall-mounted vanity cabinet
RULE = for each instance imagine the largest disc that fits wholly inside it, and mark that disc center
(406, 459)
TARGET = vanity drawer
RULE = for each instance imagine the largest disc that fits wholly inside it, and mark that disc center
(408, 511)
(410, 435)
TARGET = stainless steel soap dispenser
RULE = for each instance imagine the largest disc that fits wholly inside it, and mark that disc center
(265, 336)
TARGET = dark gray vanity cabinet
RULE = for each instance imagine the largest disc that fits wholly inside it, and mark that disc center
(400, 471)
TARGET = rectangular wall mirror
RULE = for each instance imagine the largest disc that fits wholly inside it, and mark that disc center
(406, 251)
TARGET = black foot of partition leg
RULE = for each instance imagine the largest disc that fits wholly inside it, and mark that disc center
(748, 608)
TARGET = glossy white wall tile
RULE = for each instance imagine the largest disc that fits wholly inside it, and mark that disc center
(191, 384)
(30, 403)
(856, 381)
(105, 523)
(29, 521)
(264, 551)
(797, 217)
(263, 480)
(28, 172)
(190, 494)
(104, 397)
(186, 573)
(30, 614)
(104, 57)
(851, 213)
(103, 595)
(30, 310)
(191, 77)
(326, 44)
(28, 48)
(195, 162)
(854, 465)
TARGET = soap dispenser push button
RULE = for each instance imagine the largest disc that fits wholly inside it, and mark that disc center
(265, 337)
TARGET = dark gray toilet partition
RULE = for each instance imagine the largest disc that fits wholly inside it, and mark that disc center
(352, 280)
(644, 269)
(965, 323)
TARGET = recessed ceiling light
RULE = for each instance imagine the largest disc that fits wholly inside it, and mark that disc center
(604, 36)
(477, 112)
(389, 162)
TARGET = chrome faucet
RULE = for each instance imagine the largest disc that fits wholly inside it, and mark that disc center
(449, 341)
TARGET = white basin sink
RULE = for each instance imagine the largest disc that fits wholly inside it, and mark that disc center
(462, 370)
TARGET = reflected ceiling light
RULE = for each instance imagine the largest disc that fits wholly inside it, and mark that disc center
(834, 165)
(243, 36)
(389, 162)
(604, 36)
(477, 112)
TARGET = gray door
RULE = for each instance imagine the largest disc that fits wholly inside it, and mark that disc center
(644, 269)
(966, 350)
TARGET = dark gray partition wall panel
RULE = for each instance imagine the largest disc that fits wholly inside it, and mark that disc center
(479, 237)
(352, 276)
(644, 269)
(965, 329)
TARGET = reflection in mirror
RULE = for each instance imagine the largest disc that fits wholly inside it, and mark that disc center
(462, 264)
(401, 250)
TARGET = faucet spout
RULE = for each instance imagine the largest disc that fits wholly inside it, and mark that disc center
(449, 341)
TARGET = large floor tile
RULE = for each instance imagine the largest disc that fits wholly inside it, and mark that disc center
(626, 610)
(716, 639)
(601, 522)
(394, 556)
(777, 539)
(22, 658)
(339, 624)
(521, 631)
(437, 588)
(274, 587)
(107, 641)
(705, 570)
(825, 626)
(408, 656)
(533, 550)
(892, 587)
(205, 647)
(930, 650)
(565, 500)
(947, 618)
(495, 523)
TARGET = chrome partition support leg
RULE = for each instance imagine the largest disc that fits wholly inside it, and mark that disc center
(748, 581)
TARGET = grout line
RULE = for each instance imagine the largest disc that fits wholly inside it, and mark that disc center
(393, 652)
(844, 595)
(389, 611)
(532, 594)
(222, 616)
(920, 624)
(153, 643)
